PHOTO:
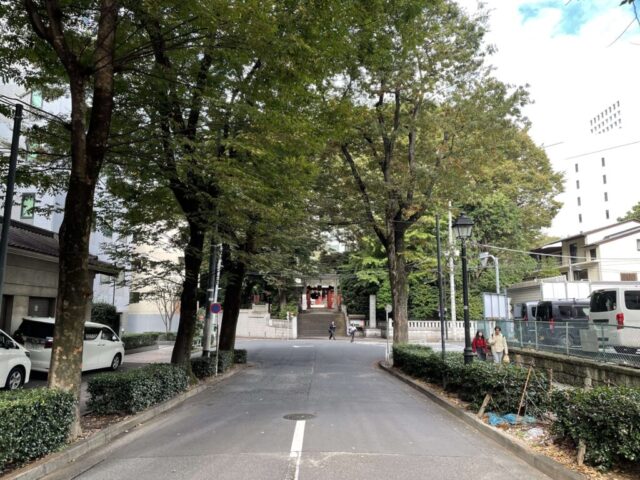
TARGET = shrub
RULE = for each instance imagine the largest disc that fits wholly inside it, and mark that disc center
(105, 313)
(472, 382)
(168, 336)
(33, 423)
(204, 367)
(135, 390)
(137, 340)
(607, 419)
(240, 356)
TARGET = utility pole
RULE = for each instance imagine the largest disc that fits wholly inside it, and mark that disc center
(212, 294)
(452, 276)
(440, 286)
(8, 199)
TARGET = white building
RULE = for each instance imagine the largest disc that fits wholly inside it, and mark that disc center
(607, 254)
(601, 165)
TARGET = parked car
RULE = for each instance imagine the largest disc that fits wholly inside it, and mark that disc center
(559, 321)
(102, 348)
(615, 313)
(15, 366)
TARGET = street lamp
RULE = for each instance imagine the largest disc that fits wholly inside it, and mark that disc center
(484, 257)
(462, 228)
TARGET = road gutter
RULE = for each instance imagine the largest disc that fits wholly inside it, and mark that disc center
(540, 462)
(57, 461)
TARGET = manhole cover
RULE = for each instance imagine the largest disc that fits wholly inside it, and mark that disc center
(299, 416)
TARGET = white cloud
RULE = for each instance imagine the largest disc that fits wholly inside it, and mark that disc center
(571, 76)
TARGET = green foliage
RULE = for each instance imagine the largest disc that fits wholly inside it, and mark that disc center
(135, 390)
(472, 382)
(278, 312)
(633, 214)
(204, 367)
(607, 419)
(240, 356)
(105, 313)
(33, 423)
(138, 340)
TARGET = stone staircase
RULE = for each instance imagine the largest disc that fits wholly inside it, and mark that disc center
(315, 323)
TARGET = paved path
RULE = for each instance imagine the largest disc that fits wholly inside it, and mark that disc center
(365, 425)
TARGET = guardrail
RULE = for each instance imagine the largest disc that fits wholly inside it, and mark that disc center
(579, 338)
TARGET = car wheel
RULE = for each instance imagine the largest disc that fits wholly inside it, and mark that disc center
(15, 379)
(115, 363)
(563, 339)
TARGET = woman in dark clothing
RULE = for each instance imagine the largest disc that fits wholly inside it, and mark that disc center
(479, 345)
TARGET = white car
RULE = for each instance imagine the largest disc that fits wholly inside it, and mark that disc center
(15, 366)
(102, 348)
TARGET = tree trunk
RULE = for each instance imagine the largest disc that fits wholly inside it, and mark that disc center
(399, 282)
(88, 148)
(189, 297)
(235, 272)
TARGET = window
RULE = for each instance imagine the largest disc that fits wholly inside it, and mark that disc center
(578, 184)
(134, 297)
(579, 218)
(91, 333)
(581, 275)
(606, 214)
(27, 204)
(573, 252)
(606, 197)
(629, 277)
(576, 167)
(604, 179)
(602, 160)
(632, 299)
(579, 201)
(593, 253)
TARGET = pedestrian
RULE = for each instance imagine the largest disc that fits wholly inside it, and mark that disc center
(352, 332)
(332, 330)
(499, 346)
(479, 345)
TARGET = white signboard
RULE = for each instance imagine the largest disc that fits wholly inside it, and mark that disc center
(495, 306)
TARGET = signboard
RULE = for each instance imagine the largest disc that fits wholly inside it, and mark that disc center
(388, 308)
(216, 308)
(495, 306)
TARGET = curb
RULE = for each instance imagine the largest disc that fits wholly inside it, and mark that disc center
(146, 348)
(57, 461)
(540, 462)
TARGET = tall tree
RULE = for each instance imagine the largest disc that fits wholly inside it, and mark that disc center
(422, 115)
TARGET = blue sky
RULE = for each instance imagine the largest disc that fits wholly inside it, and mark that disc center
(573, 15)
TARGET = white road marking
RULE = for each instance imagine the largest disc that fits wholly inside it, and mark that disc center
(296, 445)
(302, 346)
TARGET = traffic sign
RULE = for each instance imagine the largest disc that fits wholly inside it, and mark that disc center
(216, 308)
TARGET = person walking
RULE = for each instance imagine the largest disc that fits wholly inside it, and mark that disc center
(352, 332)
(332, 330)
(479, 345)
(499, 347)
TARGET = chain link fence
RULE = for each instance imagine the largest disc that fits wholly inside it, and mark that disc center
(600, 342)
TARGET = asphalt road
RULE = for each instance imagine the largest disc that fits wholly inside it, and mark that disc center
(361, 424)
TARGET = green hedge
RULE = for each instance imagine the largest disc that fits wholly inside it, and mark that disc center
(137, 340)
(135, 390)
(33, 423)
(204, 367)
(240, 356)
(472, 382)
(607, 419)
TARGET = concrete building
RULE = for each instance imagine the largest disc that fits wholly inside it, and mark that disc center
(601, 164)
(31, 276)
(606, 254)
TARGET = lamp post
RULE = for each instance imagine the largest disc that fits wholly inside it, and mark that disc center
(484, 256)
(463, 227)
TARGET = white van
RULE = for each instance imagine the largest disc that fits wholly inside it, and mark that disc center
(616, 310)
(102, 348)
(15, 366)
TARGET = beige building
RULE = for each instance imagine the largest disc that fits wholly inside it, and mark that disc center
(31, 275)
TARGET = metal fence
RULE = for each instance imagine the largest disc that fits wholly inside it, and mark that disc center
(600, 342)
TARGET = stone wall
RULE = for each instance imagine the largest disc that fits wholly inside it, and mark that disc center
(580, 372)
